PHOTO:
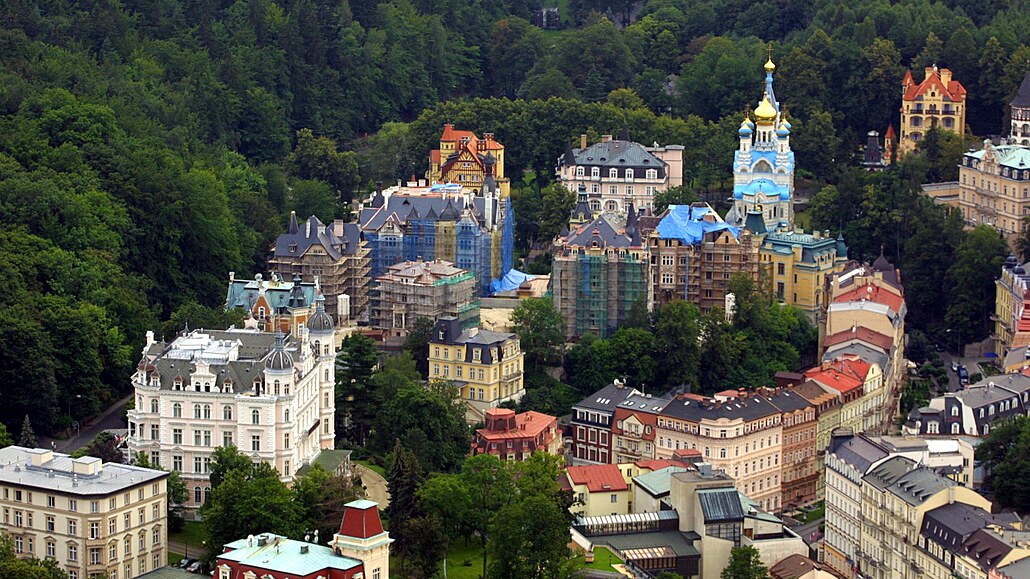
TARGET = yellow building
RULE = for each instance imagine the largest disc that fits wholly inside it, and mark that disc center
(486, 366)
(460, 159)
(896, 495)
(937, 101)
(994, 188)
(796, 265)
(1012, 290)
(90, 518)
(599, 489)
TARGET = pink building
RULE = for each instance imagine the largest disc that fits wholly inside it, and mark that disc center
(511, 436)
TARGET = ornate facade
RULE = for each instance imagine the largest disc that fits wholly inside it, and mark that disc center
(763, 167)
(270, 395)
(1019, 131)
(938, 101)
(461, 159)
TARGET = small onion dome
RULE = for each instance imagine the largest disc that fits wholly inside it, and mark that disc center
(769, 66)
(765, 112)
(783, 130)
(745, 129)
(279, 359)
(320, 322)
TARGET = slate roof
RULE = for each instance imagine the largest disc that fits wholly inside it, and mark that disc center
(889, 471)
(720, 505)
(748, 408)
(793, 567)
(253, 347)
(784, 242)
(1022, 98)
(600, 233)
(639, 402)
(607, 398)
(426, 207)
(949, 525)
(917, 485)
(243, 293)
(787, 401)
(857, 451)
(617, 153)
(984, 547)
(338, 239)
(870, 355)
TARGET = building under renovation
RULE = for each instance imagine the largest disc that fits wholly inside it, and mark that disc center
(423, 289)
(694, 253)
(600, 272)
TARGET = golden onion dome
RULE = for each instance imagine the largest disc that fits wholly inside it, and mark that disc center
(769, 66)
(765, 111)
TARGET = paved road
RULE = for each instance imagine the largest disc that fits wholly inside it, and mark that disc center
(90, 428)
(375, 485)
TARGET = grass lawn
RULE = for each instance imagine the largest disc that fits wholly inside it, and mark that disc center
(192, 534)
(815, 514)
(461, 553)
(803, 219)
(603, 560)
(372, 467)
(174, 558)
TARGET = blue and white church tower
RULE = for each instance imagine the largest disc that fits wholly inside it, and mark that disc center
(763, 167)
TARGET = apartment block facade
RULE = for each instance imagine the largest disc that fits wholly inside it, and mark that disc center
(269, 395)
(88, 517)
(994, 187)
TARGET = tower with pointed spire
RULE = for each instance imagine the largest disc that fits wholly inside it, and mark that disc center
(763, 166)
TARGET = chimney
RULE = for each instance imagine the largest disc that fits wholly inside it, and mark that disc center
(303, 549)
(232, 276)
(606, 138)
(582, 142)
(945, 76)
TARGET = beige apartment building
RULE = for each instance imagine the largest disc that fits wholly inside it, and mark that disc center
(994, 187)
(741, 436)
(1011, 291)
(91, 518)
(939, 101)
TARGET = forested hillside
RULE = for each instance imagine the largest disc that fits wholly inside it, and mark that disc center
(149, 147)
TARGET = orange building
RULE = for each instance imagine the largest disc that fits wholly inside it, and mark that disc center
(511, 436)
(460, 159)
(938, 101)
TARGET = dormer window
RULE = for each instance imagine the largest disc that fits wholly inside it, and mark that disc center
(177, 383)
(652, 173)
(595, 171)
(293, 248)
(613, 173)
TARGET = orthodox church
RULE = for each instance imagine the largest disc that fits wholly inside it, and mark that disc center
(763, 167)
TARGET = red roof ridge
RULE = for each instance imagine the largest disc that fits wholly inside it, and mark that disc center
(598, 477)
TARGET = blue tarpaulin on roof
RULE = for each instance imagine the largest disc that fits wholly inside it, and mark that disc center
(511, 280)
(687, 223)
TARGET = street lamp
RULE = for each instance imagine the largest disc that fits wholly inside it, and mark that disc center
(70, 404)
(958, 346)
(75, 425)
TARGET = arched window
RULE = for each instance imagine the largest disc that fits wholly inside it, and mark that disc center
(198, 495)
(227, 413)
(763, 166)
(176, 410)
(629, 173)
(613, 173)
(611, 206)
(579, 171)
(255, 416)
(595, 205)
(595, 171)
(954, 428)
(196, 411)
(286, 415)
(153, 406)
(916, 122)
(207, 493)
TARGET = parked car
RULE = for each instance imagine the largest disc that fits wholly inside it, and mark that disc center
(195, 567)
(186, 562)
(954, 366)
(963, 375)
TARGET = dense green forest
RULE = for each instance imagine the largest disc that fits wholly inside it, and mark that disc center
(149, 147)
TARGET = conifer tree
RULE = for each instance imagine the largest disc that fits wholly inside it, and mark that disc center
(28, 436)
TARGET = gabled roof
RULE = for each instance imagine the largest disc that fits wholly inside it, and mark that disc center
(858, 451)
(918, 485)
(597, 477)
(889, 471)
(793, 567)
(863, 334)
(599, 233)
(607, 398)
(954, 91)
(337, 239)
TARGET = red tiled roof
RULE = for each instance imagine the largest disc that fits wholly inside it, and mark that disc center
(598, 477)
(1023, 325)
(434, 156)
(452, 134)
(954, 92)
(877, 339)
(872, 293)
(843, 374)
(527, 425)
(890, 135)
(361, 522)
(728, 393)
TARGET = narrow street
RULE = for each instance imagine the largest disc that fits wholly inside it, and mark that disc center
(108, 419)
